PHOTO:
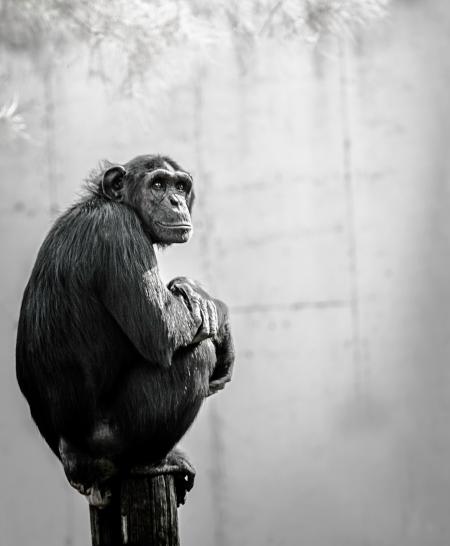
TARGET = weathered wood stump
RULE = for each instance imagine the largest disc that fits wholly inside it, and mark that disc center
(142, 512)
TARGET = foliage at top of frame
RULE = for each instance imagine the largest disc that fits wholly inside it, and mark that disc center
(143, 27)
(128, 38)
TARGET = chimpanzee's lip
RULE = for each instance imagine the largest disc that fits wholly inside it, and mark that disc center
(184, 226)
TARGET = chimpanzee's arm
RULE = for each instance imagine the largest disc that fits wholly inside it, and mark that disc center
(223, 340)
(156, 322)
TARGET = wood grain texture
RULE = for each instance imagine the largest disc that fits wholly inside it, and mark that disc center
(143, 513)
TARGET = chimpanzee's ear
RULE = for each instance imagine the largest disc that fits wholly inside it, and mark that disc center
(112, 182)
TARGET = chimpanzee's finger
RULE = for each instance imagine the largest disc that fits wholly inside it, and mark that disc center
(186, 290)
(212, 314)
(197, 313)
(205, 317)
(193, 302)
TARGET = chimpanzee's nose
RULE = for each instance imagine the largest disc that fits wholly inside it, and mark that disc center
(174, 200)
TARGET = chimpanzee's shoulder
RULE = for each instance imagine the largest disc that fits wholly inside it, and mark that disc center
(97, 212)
(94, 227)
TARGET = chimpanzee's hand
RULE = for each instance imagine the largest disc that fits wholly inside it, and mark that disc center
(194, 294)
(201, 305)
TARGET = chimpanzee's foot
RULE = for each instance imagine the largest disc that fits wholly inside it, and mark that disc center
(177, 464)
(184, 473)
(99, 495)
(88, 475)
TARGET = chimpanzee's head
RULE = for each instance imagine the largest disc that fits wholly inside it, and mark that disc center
(159, 190)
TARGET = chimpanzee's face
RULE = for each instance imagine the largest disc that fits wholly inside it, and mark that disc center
(160, 192)
(163, 205)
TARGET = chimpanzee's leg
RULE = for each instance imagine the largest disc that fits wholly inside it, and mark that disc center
(150, 411)
(155, 406)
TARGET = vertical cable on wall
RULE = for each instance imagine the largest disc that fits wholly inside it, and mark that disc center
(347, 168)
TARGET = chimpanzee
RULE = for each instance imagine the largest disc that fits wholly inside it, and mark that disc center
(114, 364)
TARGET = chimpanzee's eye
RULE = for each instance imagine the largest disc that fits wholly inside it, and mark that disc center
(181, 186)
(157, 185)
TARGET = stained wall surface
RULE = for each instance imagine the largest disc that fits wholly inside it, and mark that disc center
(322, 219)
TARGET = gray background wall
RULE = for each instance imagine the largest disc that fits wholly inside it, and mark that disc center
(322, 219)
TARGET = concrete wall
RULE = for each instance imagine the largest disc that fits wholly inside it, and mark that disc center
(323, 189)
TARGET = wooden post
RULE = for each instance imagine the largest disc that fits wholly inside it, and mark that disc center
(142, 512)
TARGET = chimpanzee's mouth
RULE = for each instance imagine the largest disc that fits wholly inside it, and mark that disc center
(174, 226)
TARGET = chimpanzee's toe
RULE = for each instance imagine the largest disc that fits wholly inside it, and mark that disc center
(99, 495)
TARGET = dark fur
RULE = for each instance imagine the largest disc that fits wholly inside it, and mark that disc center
(93, 344)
